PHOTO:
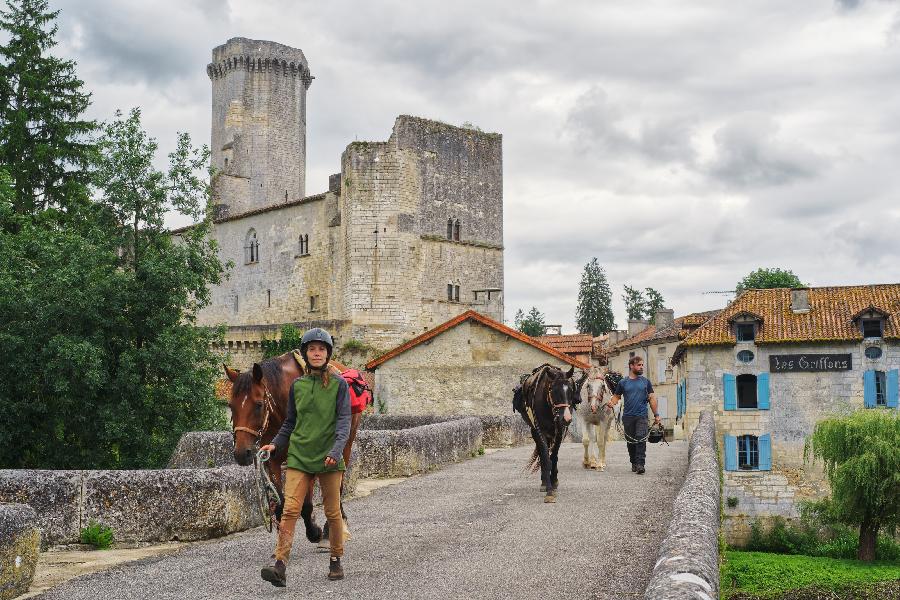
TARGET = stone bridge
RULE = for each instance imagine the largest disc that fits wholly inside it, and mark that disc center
(476, 529)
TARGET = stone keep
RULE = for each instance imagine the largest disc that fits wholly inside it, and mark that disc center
(258, 123)
(409, 234)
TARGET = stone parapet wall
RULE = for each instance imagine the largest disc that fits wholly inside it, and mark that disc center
(688, 562)
(20, 541)
(140, 506)
(203, 450)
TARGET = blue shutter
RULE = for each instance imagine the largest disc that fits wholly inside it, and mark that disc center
(892, 388)
(729, 383)
(765, 452)
(730, 453)
(762, 391)
(869, 389)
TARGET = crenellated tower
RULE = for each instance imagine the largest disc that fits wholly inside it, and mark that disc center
(258, 140)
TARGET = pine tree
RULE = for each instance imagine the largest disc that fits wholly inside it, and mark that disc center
(594, 314)
(531, 324)
(635, 303)
(653, 301)
(44, 141)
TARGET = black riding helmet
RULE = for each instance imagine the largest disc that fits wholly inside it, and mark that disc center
(316, 334)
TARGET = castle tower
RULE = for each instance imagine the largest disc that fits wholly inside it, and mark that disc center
(258, 124)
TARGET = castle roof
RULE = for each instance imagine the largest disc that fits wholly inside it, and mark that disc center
(832, 316)
(487, 322)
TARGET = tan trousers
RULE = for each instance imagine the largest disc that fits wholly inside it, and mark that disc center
(296, 485)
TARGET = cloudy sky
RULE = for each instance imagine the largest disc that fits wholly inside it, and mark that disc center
(683, 144)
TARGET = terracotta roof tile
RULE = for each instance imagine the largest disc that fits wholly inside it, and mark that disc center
(830, 318)
(577, 343)
(676, 331)
(475, 316)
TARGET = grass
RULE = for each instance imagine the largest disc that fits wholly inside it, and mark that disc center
(768, 575)
(97, 535)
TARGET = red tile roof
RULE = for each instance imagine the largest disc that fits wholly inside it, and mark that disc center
(677, 330)
(475, 316)
(831, 316)
(576, 343)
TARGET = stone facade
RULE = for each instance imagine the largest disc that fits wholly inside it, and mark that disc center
(797, 401)
(469, 369)
(409, 234)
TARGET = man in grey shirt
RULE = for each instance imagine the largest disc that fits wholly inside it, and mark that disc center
(638, 391)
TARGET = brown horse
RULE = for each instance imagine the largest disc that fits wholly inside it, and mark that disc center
(258, 406)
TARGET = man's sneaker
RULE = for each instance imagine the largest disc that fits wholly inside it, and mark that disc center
(633, 468)
(640, 470)
(335, 570)
(275, 574)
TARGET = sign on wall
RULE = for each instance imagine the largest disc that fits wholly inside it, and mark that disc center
(792, 363)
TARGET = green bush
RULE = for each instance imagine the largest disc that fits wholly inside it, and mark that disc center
(97, 535)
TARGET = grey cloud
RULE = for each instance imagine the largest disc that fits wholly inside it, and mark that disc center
(749, 153)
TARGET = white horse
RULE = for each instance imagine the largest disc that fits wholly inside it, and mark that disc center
(596, 418)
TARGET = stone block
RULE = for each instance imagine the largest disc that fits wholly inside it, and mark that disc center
(55, 497)
(203, 450)
(20, 541)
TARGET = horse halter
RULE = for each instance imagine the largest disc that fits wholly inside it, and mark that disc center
(269, 404)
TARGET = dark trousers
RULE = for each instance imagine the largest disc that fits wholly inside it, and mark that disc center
(636, 429)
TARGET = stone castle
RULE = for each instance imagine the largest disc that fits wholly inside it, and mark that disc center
(408, 234)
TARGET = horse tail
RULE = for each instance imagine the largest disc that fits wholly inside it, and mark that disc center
(534, 463)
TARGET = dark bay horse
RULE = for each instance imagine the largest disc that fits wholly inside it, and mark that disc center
(549, 397)
(258, 406)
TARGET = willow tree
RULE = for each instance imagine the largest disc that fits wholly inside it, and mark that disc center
(861, 454)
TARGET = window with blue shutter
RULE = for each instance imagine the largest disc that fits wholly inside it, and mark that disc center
(869, 389)
(730, 453)
(729, 383)
(765, 452)
(893, 387)
(762, 391)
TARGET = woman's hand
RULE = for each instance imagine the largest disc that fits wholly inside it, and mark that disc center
(268, 448)
(329, 462)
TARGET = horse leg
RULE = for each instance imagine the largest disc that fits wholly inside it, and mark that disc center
(550, 497)
(314, 533)
(586, 440)
(602, 433)
(595, 459)
(544, 457)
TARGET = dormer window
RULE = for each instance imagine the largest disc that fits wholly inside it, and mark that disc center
(745, 332)
(872, 328)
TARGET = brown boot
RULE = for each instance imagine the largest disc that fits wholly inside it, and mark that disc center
(276, 574)
(335, 570)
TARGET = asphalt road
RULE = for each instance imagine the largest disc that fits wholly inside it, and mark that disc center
(478, 529)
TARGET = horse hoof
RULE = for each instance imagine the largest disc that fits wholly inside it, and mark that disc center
(587, 465)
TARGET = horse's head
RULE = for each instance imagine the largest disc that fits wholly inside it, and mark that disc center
(248, 402)
(593, 389)
(563, 396)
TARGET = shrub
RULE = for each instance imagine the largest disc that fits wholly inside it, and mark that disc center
(97, 535)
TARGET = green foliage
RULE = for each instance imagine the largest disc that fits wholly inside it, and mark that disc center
(531, 324)
(594, 314)
(769, 278)
(769, 575)
(353, 346)
(104, 365)
(99, 536)
(288, 340)
(732, 502)
(653, 301)
(861, 454)
(44, 141)
(642, 304)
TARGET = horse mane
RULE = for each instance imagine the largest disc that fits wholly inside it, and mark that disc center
(271, 369)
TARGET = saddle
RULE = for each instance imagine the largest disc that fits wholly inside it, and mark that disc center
(523, 394)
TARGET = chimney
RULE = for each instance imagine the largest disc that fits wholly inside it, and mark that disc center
(664, 318)
(800, 301)
(635, 326)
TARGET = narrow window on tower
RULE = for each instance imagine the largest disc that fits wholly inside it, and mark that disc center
(449, 229)
(251, 248)
(269, 298)
(456, 230)
(450, 292)
(456, 293)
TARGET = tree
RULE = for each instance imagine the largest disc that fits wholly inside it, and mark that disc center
(594, 314)
(635, 304)
(531, 324)
(861, 454)
(653, 301)
(769, 278)
(44, 141)
(289, 340)
(104, 361)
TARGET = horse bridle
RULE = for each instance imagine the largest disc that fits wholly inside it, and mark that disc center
(269, 404)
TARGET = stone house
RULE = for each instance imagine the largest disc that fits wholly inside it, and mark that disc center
(407, 235)
(579, 346)
(656, 345)
(772, 364)
(468, 365)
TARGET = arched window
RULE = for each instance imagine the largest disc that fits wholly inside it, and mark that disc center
(449, 229)
(450, 292)
(748, 452)
(251, 248)
(746, 391)
(456, 230)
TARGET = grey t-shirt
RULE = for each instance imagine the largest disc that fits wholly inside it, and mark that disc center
(636, 393)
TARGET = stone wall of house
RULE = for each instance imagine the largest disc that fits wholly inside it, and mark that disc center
(470, 369)
(797, 402)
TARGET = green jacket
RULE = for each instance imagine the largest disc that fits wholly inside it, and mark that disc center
(317, 424)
